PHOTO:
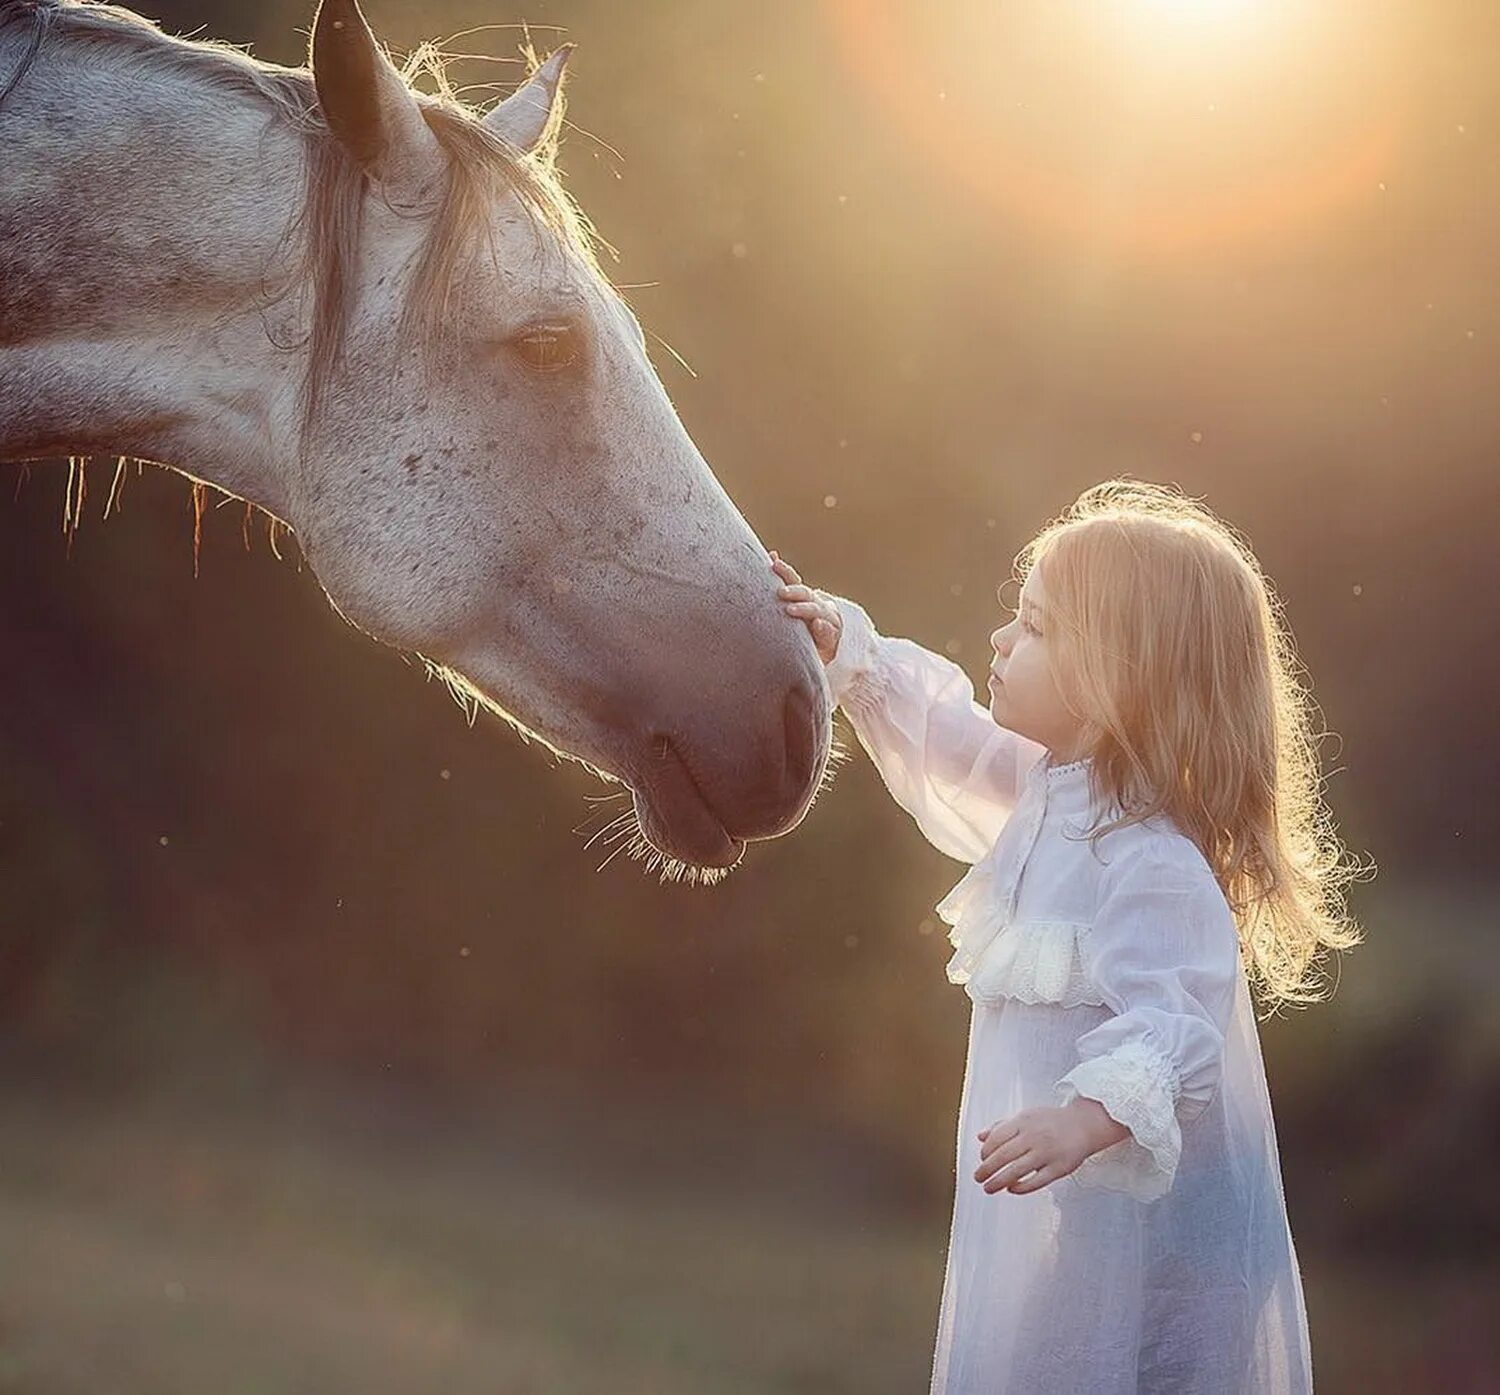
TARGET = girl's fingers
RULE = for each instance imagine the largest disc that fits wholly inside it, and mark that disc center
(1010, 1175)
(1042, 1177)
(999, 1133)
(805, 610)
(1001, 1178)
(994, 1156)
(796, 593)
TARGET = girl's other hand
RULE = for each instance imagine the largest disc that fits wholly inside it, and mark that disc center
(815, 608)
(1038, 1146)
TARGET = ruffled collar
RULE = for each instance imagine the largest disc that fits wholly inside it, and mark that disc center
(982, 904)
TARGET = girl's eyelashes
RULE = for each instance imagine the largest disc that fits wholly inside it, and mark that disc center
(1014, 612)
(1023, 620)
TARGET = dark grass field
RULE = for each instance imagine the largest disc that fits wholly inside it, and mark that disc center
(147, 1251)
(325, 1244)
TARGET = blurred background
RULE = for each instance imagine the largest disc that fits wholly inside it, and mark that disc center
(328, 1060)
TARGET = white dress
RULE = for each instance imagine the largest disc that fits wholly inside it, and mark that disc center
(1165, 1262)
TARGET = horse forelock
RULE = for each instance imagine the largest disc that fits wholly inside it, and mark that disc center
(330, 221)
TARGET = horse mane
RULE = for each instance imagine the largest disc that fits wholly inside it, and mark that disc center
(335, 187)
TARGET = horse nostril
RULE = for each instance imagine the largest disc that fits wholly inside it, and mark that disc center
(801, 735)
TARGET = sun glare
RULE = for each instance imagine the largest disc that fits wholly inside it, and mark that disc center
(1200, 11)
(1199, 24)
(1149, 128)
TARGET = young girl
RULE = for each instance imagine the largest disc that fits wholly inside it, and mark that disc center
(1141, 809)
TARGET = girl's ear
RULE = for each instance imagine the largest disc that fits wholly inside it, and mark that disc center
(368, 107)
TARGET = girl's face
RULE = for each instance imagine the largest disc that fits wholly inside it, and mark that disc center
(1023, 696)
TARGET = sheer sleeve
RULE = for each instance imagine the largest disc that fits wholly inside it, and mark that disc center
(941, 755)
(1164, 953)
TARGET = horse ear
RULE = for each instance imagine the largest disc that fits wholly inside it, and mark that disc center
(534, 110)
(367, 105)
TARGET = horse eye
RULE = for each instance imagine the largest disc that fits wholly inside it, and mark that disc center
(548, 348)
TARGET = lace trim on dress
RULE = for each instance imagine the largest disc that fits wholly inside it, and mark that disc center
(1138, 1087)
(1033, 961)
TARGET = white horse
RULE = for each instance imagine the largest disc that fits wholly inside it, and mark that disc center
(375, 315)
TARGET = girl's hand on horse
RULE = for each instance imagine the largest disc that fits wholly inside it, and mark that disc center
(1036, 1147)
(816, 608)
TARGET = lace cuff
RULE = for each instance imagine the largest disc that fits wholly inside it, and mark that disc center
(851, 674)
(1138, 1087)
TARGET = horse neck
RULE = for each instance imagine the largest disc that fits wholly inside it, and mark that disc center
(142, 216)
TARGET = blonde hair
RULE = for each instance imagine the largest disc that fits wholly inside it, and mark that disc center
(1168, 644)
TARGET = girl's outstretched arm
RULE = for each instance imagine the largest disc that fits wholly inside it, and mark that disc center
(941, 755)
